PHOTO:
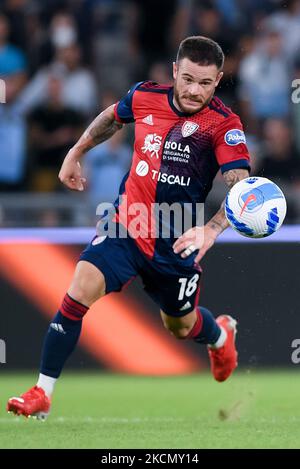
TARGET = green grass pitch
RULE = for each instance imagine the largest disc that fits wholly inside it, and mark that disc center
(250, 410)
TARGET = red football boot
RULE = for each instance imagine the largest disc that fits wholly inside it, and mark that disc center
(223, 360)
(33, 403)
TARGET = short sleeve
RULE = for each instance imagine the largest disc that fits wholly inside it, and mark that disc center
(124, 112)
(230, 145)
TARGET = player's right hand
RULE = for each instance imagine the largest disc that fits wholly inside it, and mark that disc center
(70, 173)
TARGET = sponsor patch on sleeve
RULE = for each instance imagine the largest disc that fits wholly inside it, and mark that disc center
(234, 137)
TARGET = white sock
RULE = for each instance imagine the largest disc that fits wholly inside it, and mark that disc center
(221, 340)
(47, 383)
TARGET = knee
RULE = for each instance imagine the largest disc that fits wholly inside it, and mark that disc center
(88, 285)
(179, 327)
(84, 292)
(180, 333)
(81, 294)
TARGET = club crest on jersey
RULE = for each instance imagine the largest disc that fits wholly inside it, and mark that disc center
(189, 128)
(152, 144)
(234, 137)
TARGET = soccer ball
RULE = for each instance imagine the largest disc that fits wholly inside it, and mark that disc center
(255, 207)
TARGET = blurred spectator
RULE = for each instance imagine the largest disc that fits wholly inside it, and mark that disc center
(280, 159)
(255, 149)
(16, 12)
(253, 12)
(12, 124)
(105, 166)
(115, 51)
(206, 20)
(79, 89)
(154, 26)
(54, 128)
(161, 72)
(281, 163)
(230, 10)
(12, 59)
(265, 79)
(180, 25)
(79, 86)
(62, 32)
(13, 137)
(287, 23)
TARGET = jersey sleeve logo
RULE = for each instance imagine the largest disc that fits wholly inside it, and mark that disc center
(152, 144)
(234, 137)
(189, 128)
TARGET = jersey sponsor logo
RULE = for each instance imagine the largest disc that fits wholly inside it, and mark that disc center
(189, 128)
(176, 151)
(142, 168)
(171, 145)
(170, 178)
(152, 144)
(234, 137)
(148, 120)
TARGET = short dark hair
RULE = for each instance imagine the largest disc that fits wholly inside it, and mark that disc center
(201, 50)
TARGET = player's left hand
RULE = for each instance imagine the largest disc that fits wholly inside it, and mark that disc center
(199, 238)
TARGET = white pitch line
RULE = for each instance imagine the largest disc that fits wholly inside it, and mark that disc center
(98, 420)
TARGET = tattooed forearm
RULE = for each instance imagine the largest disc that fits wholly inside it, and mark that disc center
(235, 175)
(219, 221)
(101, 129)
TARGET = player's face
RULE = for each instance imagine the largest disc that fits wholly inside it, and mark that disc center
(194, 85)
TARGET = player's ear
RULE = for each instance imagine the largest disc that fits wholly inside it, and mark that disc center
(219, 76)
(175, 70)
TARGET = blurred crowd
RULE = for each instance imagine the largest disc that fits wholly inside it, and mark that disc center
(63, 61)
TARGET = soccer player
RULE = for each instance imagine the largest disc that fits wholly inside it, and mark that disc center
(183, 136)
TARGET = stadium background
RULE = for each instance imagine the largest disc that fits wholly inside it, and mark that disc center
(65, 61)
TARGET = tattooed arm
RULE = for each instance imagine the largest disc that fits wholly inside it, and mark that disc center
(218, 222)
(203, 237)
(101, 129)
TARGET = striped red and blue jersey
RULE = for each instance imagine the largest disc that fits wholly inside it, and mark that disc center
(176, 157)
